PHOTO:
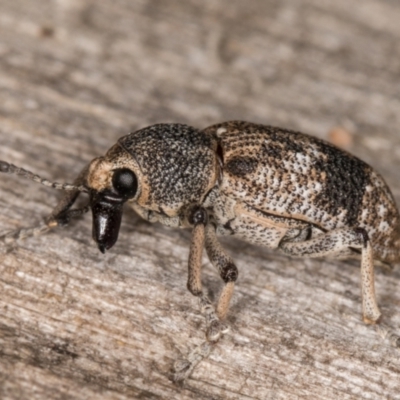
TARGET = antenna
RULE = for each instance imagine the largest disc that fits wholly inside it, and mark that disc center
(12, 169)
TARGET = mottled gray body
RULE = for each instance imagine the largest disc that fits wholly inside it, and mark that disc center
(301, 179)
(262, 183)
(269, 186)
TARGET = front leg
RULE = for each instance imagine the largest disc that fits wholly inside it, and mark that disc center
(202, 236)
(199, 219)
(59, 217)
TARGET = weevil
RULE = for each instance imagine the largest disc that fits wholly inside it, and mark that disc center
(269, 186)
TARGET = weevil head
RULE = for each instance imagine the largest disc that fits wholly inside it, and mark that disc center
(112, 181)
(163, 168)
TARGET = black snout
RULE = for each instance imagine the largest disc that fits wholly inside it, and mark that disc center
(107, 215)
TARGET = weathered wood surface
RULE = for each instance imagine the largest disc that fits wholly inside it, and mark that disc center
(77, 74)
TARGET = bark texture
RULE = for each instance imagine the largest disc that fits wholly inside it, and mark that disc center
(77, 74)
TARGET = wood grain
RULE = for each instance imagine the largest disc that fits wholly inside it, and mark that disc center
(77, 74)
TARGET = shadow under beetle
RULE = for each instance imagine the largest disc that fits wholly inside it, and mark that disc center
(269, 186)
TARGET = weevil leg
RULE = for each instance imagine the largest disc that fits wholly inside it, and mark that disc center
(388, 334)
(338, 242)
(199, 219)
(184, 367)
(24, 233)
(61, 213)
(60, 216)
(226, 268)
(201, 236)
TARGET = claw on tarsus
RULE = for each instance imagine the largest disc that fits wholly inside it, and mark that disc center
(387, 334)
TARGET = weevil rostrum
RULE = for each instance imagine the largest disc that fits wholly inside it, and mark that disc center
(269, 186)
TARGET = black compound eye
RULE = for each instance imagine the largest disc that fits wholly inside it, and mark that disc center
(125, 182)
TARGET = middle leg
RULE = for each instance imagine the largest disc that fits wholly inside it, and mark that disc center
(199, 219)
(226, 268)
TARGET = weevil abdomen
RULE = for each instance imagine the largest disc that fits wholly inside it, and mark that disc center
(295, 176)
